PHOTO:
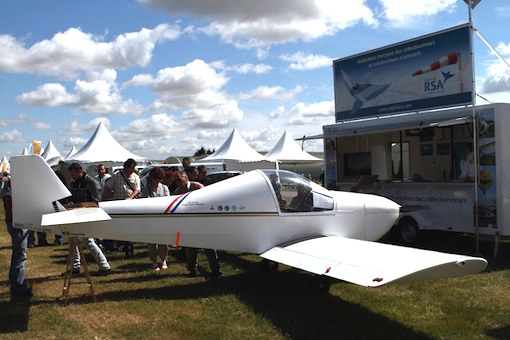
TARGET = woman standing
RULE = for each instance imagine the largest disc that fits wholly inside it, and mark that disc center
(155, 188)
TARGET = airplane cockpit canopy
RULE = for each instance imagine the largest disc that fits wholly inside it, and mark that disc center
(296, 193)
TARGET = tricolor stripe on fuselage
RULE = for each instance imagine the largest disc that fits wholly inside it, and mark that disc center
(179, 199)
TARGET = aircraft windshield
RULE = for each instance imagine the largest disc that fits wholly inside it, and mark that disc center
(295, 193)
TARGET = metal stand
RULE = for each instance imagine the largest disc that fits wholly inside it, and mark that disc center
(75, 245)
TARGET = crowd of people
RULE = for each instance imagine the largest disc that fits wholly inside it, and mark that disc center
(123, 184)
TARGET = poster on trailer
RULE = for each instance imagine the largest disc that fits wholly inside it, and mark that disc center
(427, 72)
(487, 184)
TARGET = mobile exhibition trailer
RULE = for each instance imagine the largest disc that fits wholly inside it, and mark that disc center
(406, 127)
(418, 158)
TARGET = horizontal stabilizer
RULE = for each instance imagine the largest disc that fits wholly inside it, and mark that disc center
(75, 216)
(372, 264)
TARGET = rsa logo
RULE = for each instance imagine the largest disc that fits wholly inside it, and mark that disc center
(435, 85)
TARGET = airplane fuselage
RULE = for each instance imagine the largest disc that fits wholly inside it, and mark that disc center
(250, 220)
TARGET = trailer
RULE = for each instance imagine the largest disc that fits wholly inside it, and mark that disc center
(452, 163)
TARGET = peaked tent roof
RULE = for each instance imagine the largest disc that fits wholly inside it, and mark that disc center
(50, 151)
(51, 154)
(234, 148)
(287, 150)
(24, 152)
(102, 147)
(72, 152)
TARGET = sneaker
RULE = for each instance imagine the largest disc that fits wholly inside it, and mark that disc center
(102, 272)
(156, 269)
(155, 266)
(164, 265)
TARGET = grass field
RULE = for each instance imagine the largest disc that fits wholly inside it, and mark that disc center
(134, 302)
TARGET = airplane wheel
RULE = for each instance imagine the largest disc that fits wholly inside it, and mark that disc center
(269, 266)
(408, 231)
(320, 284)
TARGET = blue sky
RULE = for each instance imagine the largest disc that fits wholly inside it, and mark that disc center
(170, 76)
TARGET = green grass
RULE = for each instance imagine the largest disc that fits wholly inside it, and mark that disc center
(133, 302)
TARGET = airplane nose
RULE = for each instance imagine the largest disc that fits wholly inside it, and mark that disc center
(380, 215)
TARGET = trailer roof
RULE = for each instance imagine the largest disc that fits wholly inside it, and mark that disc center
(407, 121)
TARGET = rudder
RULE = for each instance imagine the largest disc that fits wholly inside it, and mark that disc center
(35, 187)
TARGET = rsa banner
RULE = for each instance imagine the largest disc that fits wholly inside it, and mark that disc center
(428, 72)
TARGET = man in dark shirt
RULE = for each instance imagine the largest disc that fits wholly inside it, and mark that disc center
(86, 189)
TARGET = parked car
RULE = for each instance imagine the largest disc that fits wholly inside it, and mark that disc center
(221, 175)
(211, 167)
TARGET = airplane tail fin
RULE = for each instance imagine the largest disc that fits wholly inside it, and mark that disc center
(35, 190)
(347, 80)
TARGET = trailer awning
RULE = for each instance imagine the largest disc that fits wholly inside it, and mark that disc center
(407, 121)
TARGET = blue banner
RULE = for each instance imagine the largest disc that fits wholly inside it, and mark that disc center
(423, 73)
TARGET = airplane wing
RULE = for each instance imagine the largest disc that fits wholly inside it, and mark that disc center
(371, 264)
(74, 216)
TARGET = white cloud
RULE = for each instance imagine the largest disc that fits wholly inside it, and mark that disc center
(12, 136)
(195, 85)
(497, 80)
(68, 52)
(41, 125)
(503, 48)
(271, 92)
(23, 118)
(197, 90)
(300, 61)
(256, 24)
(306, 114)
(278, 112)
(100, 95)
(218, 116)
(49, 94)
(77, 142)
(139, 80)
(213, 134)
(76, 128)
(158, 126)
(261, 140)
(404, 13)
(242, 68)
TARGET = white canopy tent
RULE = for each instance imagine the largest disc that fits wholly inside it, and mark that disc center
(71, 152)
(236, 154)
(103, 148)
(24, 152)
(51, 154)
(288, 151)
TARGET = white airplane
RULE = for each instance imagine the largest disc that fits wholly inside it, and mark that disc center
(325, 232)
(362, 92)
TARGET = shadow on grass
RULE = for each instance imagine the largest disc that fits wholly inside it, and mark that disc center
(499, 333)
(14, 316)
(283, 298)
